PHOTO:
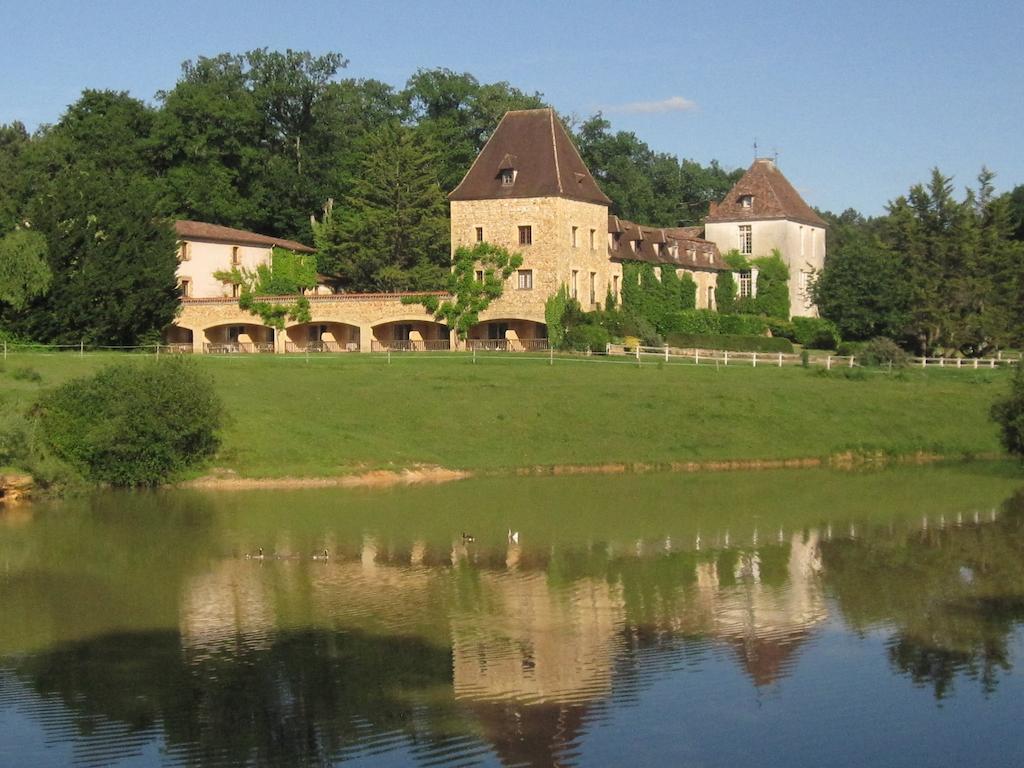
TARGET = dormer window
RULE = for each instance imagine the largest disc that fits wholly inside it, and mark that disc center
(508, 177)
(746, 201)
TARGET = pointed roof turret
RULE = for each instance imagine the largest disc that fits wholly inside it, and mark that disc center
(529, 155)
(763, 193)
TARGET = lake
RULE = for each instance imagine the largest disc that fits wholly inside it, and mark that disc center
(792, 618)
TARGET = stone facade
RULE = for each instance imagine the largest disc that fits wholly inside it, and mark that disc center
(350, 322)
(568, 247)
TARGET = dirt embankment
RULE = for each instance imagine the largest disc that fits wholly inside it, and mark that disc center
(14, 487)
(430, 475)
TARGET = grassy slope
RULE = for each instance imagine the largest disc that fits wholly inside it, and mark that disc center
(341, 414)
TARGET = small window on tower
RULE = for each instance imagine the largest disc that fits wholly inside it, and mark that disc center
(525, 235)
(508, 176)
(746, 200)
(479, 234)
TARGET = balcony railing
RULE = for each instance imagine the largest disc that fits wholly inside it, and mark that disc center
(238, 347)
(507, 345)
(407, 345)
(321, 346)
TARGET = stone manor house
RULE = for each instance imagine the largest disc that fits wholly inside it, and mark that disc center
(530, 191)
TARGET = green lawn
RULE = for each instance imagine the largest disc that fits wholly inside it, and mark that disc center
(341, 414)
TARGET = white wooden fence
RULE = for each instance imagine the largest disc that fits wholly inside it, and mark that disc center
(780, 359)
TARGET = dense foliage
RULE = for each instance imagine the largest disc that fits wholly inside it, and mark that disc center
(729, 342)
(24, 273)
(939, 273)
(133, 424)
(1008, 412)
(476, 279)
(288, 273)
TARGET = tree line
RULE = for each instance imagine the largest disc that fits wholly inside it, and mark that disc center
(277, 143)
(936, 272)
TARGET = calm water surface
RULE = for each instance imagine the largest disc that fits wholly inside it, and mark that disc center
(799, 618)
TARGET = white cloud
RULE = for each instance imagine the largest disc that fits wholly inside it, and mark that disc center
(671, 104)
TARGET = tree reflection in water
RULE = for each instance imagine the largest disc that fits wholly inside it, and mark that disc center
(447, 652)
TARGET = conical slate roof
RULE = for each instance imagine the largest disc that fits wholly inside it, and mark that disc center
(771, 197)
(533, 144)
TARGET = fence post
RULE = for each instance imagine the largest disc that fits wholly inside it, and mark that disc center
(551, 355)
(753, 361)
(828, 362)
(474, 355)
(780, 359)
(81, 348)
(5, 349)
(158, 350)
(696, 357)
(727, 357)
(959, 360)
(666, 353)
(991, 363)
(851, 362)
(975, 363)
(389, 355)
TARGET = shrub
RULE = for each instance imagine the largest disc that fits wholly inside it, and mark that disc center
(693, 321)
(1008, 412)
(883, 351)
(781, 327)
(584, 337)
(643, 330)
(742, 325)
(815, 332)
(850, 348)
(133, 424)
(730, 342)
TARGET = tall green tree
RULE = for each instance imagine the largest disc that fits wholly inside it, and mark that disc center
(112, 257)
(862, 289)
(391, 234)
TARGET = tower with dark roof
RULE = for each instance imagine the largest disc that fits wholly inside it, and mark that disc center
(530, 191)
(764, 212)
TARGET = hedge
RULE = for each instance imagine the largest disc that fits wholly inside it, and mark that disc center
(731, 342)
(709, 322)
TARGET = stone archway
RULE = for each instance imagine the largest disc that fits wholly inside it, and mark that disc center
(410, 335)
(243, 336)
(322, 336)
(508, 335)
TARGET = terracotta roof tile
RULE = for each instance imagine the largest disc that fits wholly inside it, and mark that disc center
(544, 159)
(657, 245)
(199, 230)
(771, 197)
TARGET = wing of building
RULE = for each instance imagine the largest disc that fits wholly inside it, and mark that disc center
(763, 212)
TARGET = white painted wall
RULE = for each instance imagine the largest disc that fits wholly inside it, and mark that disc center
(802, 247)
(206, 257)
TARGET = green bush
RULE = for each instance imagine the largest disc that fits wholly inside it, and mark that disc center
(730, 342)
(693, 321)
(816, 332)
(882, 351)
(584, 337)
(850, 348)
(1008, 412)
(133, 424)
(781, 327)
(742, 325)
(643, 330)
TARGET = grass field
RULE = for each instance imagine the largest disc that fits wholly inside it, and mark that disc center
(334, 415)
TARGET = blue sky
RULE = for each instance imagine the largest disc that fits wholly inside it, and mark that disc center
(860, 100)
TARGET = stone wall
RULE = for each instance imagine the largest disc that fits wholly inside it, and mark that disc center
(551, 256)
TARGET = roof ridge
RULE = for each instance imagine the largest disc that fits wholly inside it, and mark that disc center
(554, 152)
